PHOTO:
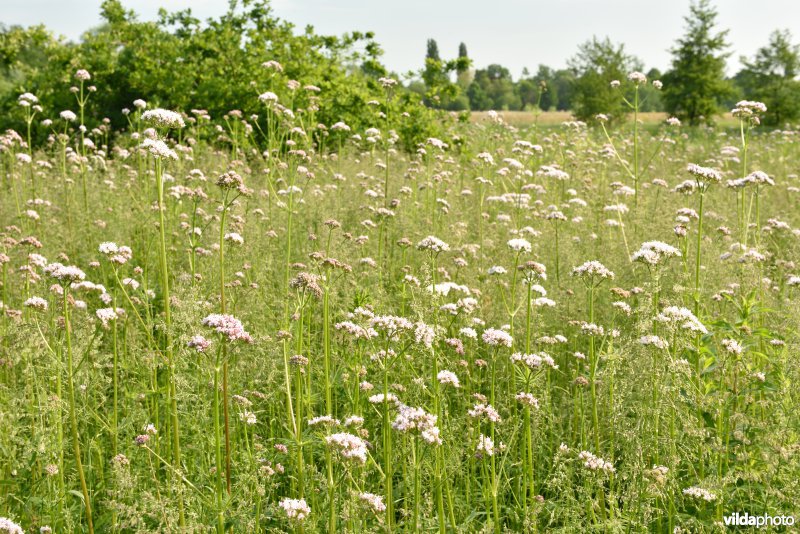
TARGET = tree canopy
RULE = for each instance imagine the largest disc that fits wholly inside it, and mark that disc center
(179, 62)
(695, 86)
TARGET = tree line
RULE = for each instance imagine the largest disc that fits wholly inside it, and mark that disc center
(180, 62)
(218, 66)
(695, 88)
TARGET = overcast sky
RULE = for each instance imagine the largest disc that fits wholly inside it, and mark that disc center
(514, 33)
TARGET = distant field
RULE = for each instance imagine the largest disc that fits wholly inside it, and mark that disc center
(525, 118)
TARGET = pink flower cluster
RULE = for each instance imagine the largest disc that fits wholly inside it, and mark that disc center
(229, 326)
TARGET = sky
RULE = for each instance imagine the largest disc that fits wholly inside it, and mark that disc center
(514, 33)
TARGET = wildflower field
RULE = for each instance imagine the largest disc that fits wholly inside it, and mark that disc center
(266, 324)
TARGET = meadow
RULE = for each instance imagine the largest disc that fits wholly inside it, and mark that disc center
(266, 324)
(523, 119)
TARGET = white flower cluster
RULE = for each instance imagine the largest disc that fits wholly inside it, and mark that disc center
(444, 288)
(707, 173)
(496, 338)
(654, 252)
(556, 215)
(27, 99)
(434, 244)
(624, 307)
(484, 411)
(700, 493)
(234, 237)
(527, 399)
(356, 331)
(754, 178)
(7, 526)
(732, 346)
(119, 255)
(448, 378)
(654, 341)
(519, 245)
(591, 329)
(373, 502)
(390, 398)
(682, 317)
(228, 326)
(295, 509)
(622, 209)
(64, 273)
(349, 446)
(424, 334)
(595, 463)
(470, 333)
(325, 420)
(411, 419)
(466, 305)
(592, 269)
(436, 143)
(106, 315)
(163, 118)
(391, 325)
(748, 108)
(268, 97)
(534, 361)
(486, 158)
(550, 171)
(37, 303)
(158, 148)
(637, 77)
(485, 446)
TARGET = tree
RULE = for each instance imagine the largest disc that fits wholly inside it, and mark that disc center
(462, 50)
(463, 74)
(433, 50)
(478, 99)
(441, 91)
(559, 88)
(596, 65)
(528, 92)
(496, 89)
(695, 86)
(771, 77)
(179, 63)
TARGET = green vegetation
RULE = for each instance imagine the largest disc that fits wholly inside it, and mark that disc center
(178, 62)
(327, 319)
(695, 85)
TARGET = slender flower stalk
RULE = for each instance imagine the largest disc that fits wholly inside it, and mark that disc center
(67, 275)
(160, 152)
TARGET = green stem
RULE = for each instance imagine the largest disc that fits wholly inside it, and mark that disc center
(176, 444)
(73, 418)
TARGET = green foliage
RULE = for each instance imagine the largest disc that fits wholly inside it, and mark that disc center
(462, 50)
(771, 77)
(596, 65)
(528, 92)
(440, 91)
(493, 88)
(433, 50)
(649, 97)
(695, 86)
(560, 86)
(710, 417)
(177, 62)
(463, 74)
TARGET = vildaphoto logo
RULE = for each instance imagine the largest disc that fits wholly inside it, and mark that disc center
(764, 520)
